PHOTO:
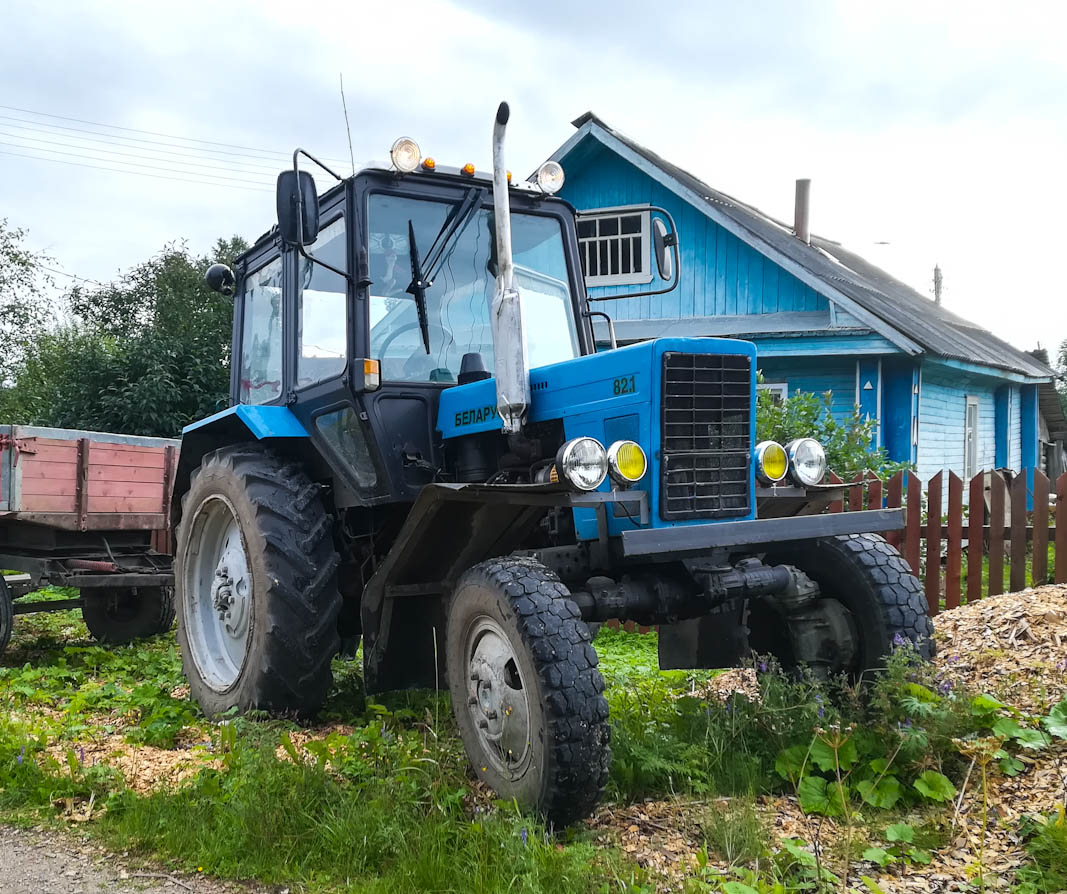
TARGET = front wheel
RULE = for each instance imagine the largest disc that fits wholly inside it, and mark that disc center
(256, 575)
(526, 691)
(883, 603)
(123, 615)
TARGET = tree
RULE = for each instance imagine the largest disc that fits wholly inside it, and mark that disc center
(145, 355)
(805, 415)
(23, 302)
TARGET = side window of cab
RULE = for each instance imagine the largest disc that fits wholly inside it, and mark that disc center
(260, 374)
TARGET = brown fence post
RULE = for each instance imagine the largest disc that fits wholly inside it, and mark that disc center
(1039, 570)
(913, 519)
(895, 490)
(874, 491)
(1061, 529)
(954, 560)
(996, 533)
(975, 536)
(933, 542)
(1017, 574)
(836, 505)
(855, 494)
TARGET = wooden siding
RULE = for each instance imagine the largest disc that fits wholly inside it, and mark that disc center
(942, 416)
(720, 273)
(816, 375)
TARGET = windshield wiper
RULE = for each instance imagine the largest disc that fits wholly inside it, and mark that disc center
(424, 271)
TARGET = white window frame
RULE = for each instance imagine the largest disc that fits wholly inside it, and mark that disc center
(970, 469)
(644, 277)
(779, 388)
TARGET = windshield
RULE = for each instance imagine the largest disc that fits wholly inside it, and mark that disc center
(458, 302)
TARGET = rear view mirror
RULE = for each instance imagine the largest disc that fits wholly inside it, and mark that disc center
(296, 189)
(220, 278)
(662, 243)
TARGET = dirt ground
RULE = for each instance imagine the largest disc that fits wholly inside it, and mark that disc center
(38, 862)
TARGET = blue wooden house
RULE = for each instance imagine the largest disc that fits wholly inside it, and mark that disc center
(946, 393)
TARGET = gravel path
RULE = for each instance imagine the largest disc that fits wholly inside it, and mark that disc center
(54, 863)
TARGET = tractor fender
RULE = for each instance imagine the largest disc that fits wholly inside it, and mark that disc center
(234, 425)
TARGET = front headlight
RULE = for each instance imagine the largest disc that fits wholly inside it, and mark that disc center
(626, 462)
(807, 461)
(582, 463)
(771, 462)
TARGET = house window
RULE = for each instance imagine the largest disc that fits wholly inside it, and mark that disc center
(970, 440)
(613, 246)
(779, 390)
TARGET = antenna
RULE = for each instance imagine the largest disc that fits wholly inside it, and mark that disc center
(348, 127)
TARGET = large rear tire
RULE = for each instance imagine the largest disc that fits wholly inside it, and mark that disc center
(526, 691)
(123, 615)
(256, 576)
(874, 584)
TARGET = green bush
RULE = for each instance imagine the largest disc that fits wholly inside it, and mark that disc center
(806, 415)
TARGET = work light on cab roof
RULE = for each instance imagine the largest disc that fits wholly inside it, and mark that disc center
(405, 155)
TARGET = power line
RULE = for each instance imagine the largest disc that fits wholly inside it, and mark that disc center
(95, 282)
(135, 173)
(149, 132)
(133, 164)
(233, 167)
(108, 142)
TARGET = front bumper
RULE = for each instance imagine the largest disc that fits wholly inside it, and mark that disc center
(691, 540)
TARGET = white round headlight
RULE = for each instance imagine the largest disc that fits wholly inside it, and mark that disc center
(405, 155)
(550, 177)
(582, 463)
(807, 461)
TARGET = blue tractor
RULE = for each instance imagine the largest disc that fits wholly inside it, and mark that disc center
(426, 449)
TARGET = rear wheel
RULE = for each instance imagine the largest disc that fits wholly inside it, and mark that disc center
(7, 615)
(883, 605)
(526, 690)
(122, 615)
(256, 573)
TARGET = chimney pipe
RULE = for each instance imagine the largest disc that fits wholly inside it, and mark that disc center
(801, 224)
(937, 284)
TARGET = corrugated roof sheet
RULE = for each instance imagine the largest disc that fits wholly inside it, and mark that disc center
(900, 306)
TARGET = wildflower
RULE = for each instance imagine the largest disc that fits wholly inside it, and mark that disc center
(522, 835)
(944, 687)
(898, 640)
(953, 659)
(81, 754)
(22, 754)
(763, 667)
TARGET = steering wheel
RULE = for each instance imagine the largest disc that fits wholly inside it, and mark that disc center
(419, 358)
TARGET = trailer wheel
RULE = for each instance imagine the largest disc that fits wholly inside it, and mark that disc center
(526, 691)
(122, 615)
(7, 615)
(256, 575)
(885, 602)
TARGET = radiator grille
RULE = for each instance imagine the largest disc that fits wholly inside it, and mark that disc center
(705, 438)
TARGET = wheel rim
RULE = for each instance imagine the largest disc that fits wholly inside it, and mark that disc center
(217, 594)
(496, 695)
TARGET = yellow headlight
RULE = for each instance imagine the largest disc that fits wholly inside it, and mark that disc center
(626, 462)
(772, 463)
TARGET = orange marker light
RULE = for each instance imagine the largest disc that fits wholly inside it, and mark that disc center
(429, 163)
(509, 176)
(372, 375)
(468, 169)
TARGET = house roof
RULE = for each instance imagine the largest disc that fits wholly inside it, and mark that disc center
(909, 319)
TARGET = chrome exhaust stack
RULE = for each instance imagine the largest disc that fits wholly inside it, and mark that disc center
(510, 363)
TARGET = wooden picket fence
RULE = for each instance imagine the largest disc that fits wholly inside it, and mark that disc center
(994, 526)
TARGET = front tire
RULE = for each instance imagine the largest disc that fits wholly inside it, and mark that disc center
(121, 616)
(256, 576)
(526, 691)
(867, 576)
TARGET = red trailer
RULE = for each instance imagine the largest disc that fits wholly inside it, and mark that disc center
(89, 510)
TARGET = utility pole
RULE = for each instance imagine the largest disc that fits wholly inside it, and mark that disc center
(937, 284)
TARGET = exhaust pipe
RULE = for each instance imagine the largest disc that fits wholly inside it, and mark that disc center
(510, 363)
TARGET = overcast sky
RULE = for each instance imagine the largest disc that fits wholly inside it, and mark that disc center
(938, 129)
